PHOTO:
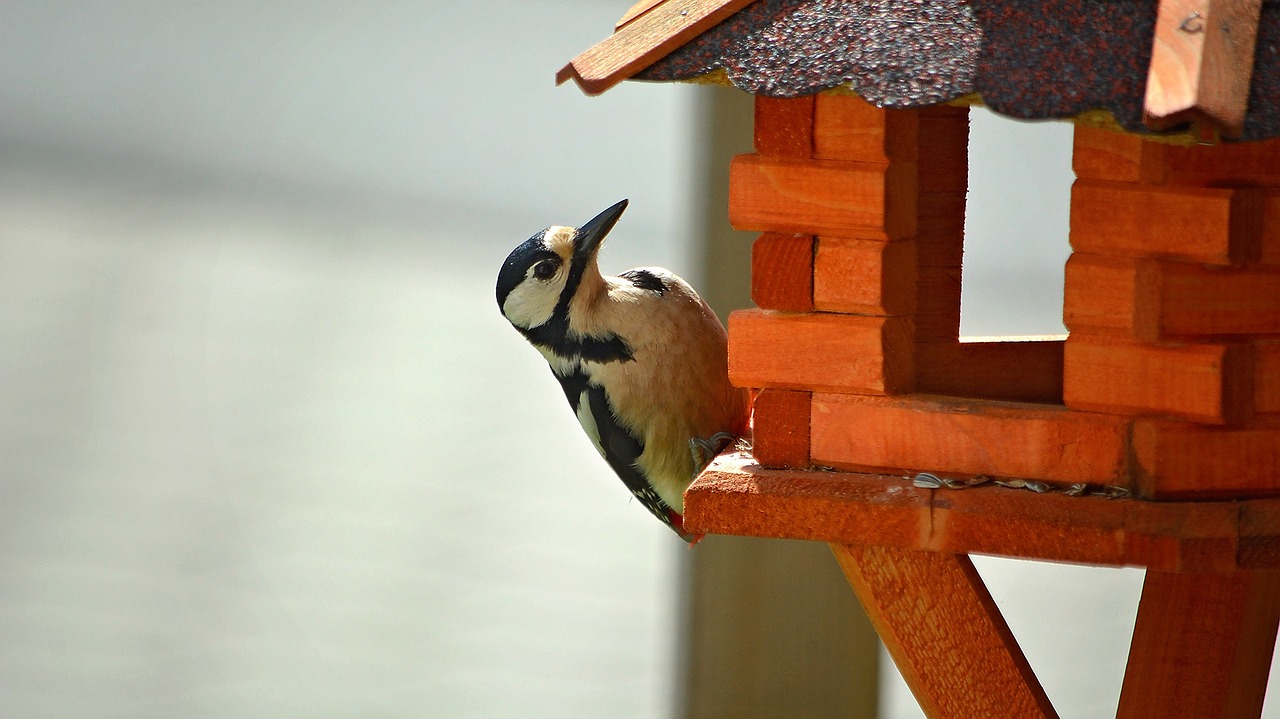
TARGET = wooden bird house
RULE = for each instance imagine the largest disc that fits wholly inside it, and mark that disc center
(1149, 437)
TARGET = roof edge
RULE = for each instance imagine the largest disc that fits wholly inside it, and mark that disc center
(642, 39)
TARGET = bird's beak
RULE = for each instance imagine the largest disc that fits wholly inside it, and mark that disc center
(590, 235)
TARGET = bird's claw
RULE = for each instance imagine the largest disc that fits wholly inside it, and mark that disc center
(705, 450)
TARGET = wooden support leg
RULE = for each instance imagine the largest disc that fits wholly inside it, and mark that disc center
(1202, 645)
(945, 633)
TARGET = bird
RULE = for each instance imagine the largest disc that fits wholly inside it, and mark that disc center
(642, 360)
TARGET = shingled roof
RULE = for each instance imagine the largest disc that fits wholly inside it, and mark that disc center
(1032, 60)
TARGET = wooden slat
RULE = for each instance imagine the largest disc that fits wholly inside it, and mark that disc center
(1208, 382)
(1254, 163)
(644, 41)
(737, 496)
(968, 437)
(1198, 300)
(937, 304)
(940, 229)
(1202, 645)
(1099, 154)
(944, 632)
(1153, 300)
(820, 351)
(1201, 63)
(1266, 377)
(1019, 371)
(867, 277)
(780, 428)
(846, 127)
(822, 196)
(1211, 225)
(1108, 294)
(782, 272)
(943, 152)
(1176, 459)
(784, 126)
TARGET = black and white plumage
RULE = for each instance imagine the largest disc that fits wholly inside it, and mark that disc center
(641, 358)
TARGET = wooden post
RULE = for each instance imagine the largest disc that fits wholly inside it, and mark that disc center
(1202, 646)
(945, 633)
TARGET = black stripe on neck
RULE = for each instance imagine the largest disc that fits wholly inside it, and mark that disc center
(554, 335)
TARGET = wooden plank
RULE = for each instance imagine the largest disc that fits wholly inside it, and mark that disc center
(944, 632)
(1211, 225)
(737, 496)
(780, 428)
(1154, 300)
(869, 277)
(1202, 645)
(1111, 295)
(940, 229)
(784, 126)
(937, 304)
(819, 351)
(1209, 382)
(768, 194)
(1255, 163)
(1099, 154)
(1202, 63)
(1197, 300)
(1269, 238)
(943, 153)
(1177, 459)
(951, 435)
(644, 41)
(782, 272)
(1266, 377)
(1018, 371)
(846, 127)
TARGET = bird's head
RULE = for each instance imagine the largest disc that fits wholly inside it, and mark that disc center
(541, 276)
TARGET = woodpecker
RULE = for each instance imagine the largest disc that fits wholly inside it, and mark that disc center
(641, 357)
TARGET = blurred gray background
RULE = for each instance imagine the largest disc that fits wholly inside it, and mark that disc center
(268, 448)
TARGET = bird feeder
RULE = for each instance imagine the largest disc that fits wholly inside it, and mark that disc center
(1149, 437)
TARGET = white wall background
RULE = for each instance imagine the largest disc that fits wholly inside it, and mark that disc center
(269, 450)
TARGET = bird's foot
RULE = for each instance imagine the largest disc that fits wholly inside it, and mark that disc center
(705, 450)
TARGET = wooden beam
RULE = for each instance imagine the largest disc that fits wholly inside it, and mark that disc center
(780, 423)
(918, 433)
(945, 633)
(1013, 370)
(866, 277)
(782, 272)
(1202, 63)
(780, 194)
(1182, 459)
(738, 496)
(648, 35)
(820, 351)
(1202, 646)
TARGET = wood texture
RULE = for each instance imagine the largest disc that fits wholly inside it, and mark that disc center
(737, 496)
(944, 632)
(1210, 382)
(1202, 645)
(784, 126)
(1018, 371)
(1201, 63)
(1175, 459)
(769, 194)
(782, 272)
(1153, 300)
(943, 151)
(937, 304)
(780, 428)
(949, 435)
(940, 229)
(1253, 163)
(644, 40)
(1099, 154)
(1266, 377)
(867, 277)
(844, 353)
(846, 127)
(1112, 295)
(1216, 226)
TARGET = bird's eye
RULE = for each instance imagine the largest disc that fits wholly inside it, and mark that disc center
(544, 270)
